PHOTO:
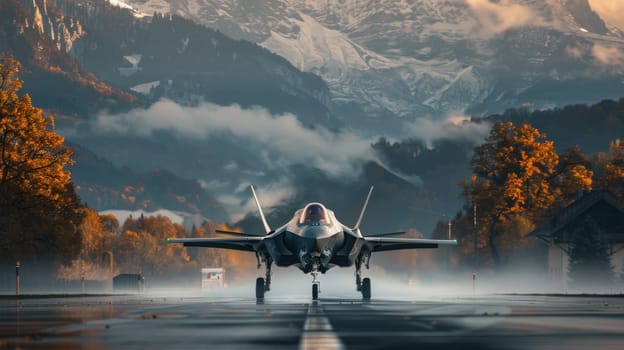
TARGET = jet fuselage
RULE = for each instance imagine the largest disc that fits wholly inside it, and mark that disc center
(314, 240)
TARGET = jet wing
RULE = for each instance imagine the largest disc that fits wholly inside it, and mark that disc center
(236, 233)
(382, 244)
(386, 234)
(249, 244)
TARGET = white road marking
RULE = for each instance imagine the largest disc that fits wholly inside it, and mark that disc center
(317, 331)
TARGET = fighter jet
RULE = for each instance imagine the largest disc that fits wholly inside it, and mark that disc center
(314, 241)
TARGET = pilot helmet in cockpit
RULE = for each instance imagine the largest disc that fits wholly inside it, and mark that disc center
(314, 213)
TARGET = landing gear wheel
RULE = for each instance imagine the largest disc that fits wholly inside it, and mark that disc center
(259, 288)
(366, 289)
(315, 291)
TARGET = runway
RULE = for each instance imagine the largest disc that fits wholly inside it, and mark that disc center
(201, 322)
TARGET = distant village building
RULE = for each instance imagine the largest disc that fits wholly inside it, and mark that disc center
(596, 213)
(212, 278)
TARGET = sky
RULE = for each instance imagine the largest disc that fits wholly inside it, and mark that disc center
(496, 17)
(612, 11)
(499, 16)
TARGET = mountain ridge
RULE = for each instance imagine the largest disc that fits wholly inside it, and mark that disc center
(425, 46)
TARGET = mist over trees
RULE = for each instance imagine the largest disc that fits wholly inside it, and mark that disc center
(519, 179)
(139, 246)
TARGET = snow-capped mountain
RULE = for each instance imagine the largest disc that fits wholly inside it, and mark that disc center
(435, 57)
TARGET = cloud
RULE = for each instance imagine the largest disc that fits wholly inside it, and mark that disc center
(455, 127)
(609, 56)
(495, 17)
(277, 142)
(270, 195)
(280, 140)
(610, 11)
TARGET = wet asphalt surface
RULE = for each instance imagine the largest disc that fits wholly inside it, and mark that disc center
(204, 322)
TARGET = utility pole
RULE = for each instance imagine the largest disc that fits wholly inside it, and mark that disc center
(17, 278)
(449, 260)
(474, 247)
(474, 236)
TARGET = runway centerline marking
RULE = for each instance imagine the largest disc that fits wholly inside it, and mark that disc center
(317, 331)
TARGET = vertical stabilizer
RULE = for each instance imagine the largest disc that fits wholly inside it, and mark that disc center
(359, 221)
(267, 229)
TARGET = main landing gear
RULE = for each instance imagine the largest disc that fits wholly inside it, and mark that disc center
(260, 289)
(362, 285)
(263, 284)
(366, 288)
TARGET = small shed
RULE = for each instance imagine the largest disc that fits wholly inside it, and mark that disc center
(128, 282)
(595, 213)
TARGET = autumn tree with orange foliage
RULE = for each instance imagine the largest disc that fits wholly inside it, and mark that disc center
(573, 176)
(142, 247)
(517, 179)
(139, 246)
(39, 210)
(612, 179)
(96, 240)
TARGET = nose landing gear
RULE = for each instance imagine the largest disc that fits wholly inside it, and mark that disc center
(315, 291)
(316, 286)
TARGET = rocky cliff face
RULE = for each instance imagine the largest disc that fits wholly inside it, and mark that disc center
(48, 20)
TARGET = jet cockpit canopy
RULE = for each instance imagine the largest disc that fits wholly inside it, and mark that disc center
(314, 214)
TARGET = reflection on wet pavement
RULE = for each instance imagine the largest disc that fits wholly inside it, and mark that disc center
(138, 322)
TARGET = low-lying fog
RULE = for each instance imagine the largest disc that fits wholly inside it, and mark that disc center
(336, 283)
